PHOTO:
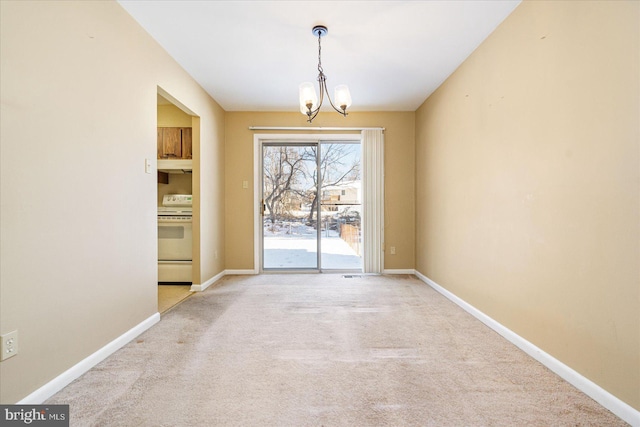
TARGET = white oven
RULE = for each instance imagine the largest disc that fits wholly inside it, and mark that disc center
(175, 239)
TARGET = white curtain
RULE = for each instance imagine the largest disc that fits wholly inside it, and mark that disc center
(373, 200)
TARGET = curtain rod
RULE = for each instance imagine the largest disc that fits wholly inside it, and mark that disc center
(310, 128)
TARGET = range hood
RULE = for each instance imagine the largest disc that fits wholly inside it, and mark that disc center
(175, 166)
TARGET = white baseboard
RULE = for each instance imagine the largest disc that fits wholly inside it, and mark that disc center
(240, 272)
(398, 271)
(64, 379)
(588, 387)
(201, 287)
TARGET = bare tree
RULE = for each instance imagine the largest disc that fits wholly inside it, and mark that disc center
(283, 168)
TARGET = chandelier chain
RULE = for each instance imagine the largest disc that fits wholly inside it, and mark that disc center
(320, 55)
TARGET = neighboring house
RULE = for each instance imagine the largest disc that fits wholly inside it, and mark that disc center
(347, 193)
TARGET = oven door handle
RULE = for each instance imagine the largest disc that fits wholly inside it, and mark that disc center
(173, 221)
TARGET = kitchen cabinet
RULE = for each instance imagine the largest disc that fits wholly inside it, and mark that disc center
(174, 143)
(186, 142)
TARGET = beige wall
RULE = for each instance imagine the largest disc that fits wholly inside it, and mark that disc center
(208, 190)
(399, 178)
(78, 87)
(527, 184)
(172, 116)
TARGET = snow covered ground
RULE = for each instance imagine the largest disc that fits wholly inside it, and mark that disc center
(291, 245)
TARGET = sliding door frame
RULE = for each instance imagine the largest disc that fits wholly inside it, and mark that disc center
(258, 141)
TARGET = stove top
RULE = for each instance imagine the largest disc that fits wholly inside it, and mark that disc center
(185, 200)
(176, 204)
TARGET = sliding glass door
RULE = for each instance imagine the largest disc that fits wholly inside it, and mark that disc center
(311, 206)
(290, 239)
(341, 204)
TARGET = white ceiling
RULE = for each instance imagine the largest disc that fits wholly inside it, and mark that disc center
(252, 55)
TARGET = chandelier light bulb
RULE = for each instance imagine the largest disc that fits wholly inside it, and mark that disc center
(342, 97)
(308, 98)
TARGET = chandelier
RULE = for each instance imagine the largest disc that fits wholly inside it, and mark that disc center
(309, 105)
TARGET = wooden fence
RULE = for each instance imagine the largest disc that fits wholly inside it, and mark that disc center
(351, 235)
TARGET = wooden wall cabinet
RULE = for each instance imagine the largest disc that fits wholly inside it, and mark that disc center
(174, 143)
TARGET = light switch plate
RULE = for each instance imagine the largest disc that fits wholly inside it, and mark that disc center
(147, 166)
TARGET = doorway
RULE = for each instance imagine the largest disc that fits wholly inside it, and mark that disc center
(177, 130)
(311, 206)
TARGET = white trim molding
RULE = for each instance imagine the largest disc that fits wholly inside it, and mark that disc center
(201, 287)
(65, 378)
(240, 272)
(398, 271)
(588, 387)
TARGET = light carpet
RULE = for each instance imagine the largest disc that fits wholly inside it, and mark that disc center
(323, 350)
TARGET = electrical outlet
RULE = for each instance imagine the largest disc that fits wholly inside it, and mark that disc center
(392, 250)
(9, 345)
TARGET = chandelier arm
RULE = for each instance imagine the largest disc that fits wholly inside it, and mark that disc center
(312, 116)
(322, 88)
(339, 110)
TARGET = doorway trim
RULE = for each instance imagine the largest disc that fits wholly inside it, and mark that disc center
(373, 246)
